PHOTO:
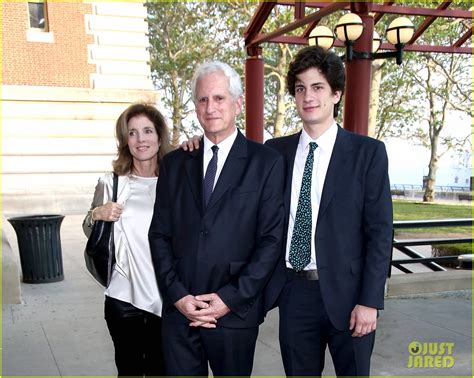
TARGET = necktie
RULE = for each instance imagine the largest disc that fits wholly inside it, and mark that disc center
(300, 247)
(208, 183)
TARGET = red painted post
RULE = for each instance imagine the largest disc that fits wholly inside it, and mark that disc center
(254, 89)
(358, 78)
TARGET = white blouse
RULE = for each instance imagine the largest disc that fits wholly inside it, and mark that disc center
(133, 278)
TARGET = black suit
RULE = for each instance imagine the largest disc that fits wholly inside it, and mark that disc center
(232, 248)
(353, 241)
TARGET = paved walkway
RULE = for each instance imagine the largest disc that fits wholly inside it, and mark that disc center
(59, 328)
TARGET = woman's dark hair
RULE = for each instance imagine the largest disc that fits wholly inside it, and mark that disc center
(328, 64)
(124, 163)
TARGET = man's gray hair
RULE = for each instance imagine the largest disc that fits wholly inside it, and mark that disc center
(235, 84)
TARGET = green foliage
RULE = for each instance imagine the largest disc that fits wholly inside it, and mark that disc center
(182, 35)
(419, 96)
(407, 210)
(440, 250)
(453, 249)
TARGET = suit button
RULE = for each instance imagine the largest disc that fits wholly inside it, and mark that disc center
(204, 233)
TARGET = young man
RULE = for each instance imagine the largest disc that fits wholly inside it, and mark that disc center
(338, 228)
(216, 236)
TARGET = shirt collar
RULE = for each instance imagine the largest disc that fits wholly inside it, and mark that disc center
(224, 146)
(325, 141)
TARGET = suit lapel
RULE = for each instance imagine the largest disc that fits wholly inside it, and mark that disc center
(194, 174)
(340, 154)
(290, 153)
(232, 171)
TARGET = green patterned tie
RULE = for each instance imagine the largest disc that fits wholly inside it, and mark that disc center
(300, 247)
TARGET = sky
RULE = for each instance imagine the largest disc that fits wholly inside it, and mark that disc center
(408, 163)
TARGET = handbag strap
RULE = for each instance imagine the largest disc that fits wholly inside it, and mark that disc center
(115, 188)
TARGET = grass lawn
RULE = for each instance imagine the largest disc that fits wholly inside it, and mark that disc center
(407, 210)
(404, 210)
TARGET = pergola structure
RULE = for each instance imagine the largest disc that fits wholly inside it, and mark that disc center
(358, 71)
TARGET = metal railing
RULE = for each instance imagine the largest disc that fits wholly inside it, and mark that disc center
(441, 188)
(415, 257)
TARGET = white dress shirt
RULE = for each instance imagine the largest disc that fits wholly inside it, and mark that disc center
(133, 278)
(222, 153)
(322, 156)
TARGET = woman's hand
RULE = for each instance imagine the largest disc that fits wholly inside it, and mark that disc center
(110, 212)
(191, 144)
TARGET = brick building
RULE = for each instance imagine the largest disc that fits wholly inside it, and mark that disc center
(69, 69)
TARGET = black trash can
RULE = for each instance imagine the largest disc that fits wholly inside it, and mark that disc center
(39, 243)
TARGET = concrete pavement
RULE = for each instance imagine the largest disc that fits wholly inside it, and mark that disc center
(59, 330)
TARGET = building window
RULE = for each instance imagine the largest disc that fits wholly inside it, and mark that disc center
(38, 14)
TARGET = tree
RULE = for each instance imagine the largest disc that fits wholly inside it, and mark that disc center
(183, 34)
(279, 107)
(419, 95)
(446, 82)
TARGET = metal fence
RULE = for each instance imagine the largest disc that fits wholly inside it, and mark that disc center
(450, 189)
(415, 257)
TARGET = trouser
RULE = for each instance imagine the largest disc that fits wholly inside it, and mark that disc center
(306, 331)
(136, 335)
(229, 351)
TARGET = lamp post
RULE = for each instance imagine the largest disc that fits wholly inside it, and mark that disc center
(350, 27)
(321, 36)
(376, 42)
(362, 43)
(399, 32)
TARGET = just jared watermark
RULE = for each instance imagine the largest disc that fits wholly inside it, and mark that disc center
(430, 355)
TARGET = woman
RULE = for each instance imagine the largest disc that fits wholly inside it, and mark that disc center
(132, 301)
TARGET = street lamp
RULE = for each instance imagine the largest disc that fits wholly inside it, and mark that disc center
(376, 42)
(399, 32)
(350, 27)
(321, 36)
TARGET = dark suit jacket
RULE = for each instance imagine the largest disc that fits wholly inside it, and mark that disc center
(353, 236)
(231, 248)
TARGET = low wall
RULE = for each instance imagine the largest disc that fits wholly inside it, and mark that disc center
(431, 282)
(57, 142)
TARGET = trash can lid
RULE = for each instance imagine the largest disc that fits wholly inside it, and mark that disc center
(39, 217)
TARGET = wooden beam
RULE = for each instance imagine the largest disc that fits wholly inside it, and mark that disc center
(385, 46)
(379, 16)
(311, 4)
(413, 11)
(430, 48)
(388, 8)
(258, 20)
(427, 22)
(299, 9)
(333, 7)
(309, 28)
(463, 39)
(288, 39)
(298, 40)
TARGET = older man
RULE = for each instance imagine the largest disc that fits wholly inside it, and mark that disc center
(216, 236)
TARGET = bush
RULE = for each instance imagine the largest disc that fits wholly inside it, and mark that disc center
(439, 250)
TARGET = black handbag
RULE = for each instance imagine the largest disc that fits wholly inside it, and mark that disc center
(100, 249)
